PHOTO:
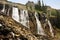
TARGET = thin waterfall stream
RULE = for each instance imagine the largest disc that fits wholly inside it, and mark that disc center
(51, 29)
(39, 26)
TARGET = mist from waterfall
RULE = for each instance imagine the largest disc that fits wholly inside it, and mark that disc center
(15, 14)
(39, 26)
(51, 29)
(24, 18)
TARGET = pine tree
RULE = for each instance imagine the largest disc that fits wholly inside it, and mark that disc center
(39, 3)
(42, 3)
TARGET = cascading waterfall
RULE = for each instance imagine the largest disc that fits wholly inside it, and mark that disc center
(51, 29)
(15, 14)
(3, 8)
(24, 18)
(39, 26)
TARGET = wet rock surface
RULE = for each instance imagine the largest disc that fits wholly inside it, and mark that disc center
(32, 22)
(16, 28)
(12, 30)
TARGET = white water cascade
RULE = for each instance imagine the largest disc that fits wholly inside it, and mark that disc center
(51, 29)
(15, 14)
(3, 8)
(39, 26)
(24, 18)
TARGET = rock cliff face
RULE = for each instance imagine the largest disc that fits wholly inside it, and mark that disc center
(10, 29)
(16, 22)
(32, 22)
(17, 28)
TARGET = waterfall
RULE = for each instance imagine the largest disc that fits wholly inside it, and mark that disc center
(24, 18)
(3, 10)
(15, 14)
(51, 29)
(39, 26)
